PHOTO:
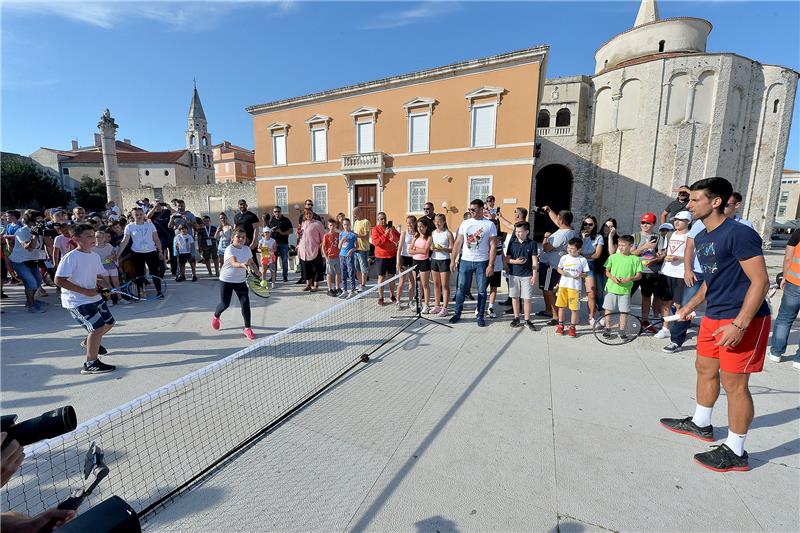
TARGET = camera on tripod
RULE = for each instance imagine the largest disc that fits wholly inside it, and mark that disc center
(46, 426)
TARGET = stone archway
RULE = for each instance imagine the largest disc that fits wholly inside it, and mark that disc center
(553, 188)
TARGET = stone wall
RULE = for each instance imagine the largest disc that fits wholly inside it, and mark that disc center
(200, 199)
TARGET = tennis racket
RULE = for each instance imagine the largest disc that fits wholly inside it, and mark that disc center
(256, 284)
(615, 329)
(143, 288)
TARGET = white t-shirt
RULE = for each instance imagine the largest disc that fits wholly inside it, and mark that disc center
(558, 240)
(476, 235)
(229, 273)
(442, 240)
(675, 247)
(142, 237)
(82, 269)
(574, 266)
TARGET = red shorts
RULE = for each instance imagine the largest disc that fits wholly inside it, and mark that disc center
(744, 358)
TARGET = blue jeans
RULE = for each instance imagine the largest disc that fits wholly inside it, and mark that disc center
(30, 275)
(677, 330)
(283, 252)
(348, 271)
(790, 305)
(465, 272)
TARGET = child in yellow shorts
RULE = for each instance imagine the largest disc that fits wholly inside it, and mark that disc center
(573, 267)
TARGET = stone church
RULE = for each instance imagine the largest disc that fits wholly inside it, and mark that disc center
(661, 111)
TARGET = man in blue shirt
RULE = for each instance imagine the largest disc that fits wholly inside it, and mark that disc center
(732, 341)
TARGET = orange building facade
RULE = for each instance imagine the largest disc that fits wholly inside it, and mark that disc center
(444, 135)
(233, 164)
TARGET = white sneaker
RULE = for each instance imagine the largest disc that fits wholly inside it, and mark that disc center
(663, 333)
(426, 310)
(492, 314)
(343, 296)
(774, 358)
(476, 311)
(591, 322)
(352, 294)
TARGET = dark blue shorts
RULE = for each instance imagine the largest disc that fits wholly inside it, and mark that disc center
(92, 316)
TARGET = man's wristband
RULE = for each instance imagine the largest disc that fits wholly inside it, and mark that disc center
(737, 326)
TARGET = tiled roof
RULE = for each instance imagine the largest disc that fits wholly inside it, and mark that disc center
(129, 157)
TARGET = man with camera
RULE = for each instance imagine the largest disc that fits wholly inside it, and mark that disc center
(25, 256)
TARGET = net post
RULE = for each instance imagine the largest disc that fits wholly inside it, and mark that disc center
(364, 358)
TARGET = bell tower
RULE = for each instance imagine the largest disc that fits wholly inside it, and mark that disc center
(198, 142)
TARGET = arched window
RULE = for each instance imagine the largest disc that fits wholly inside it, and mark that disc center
(543, 120)
(205, 142)
(775, 106)
(166, 172)
(661, 45)
(605, 63)
(191, 140)
(562, 117)
(146, 172)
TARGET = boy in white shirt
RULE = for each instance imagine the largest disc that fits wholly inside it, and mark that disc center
(573, 267)
(267, 246)
(78, 275)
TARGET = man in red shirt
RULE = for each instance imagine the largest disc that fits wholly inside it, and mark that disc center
(385, 239)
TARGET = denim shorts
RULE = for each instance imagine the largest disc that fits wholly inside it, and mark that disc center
(362, 262)
(30, 275)
(334, 266)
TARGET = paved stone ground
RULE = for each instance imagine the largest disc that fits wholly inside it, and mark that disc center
(445, 430)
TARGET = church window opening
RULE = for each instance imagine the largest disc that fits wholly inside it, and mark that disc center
(605, 63)
(166, 172)
(146, 172)
(101, 172)
(65, 171)
(191, 140)
(775, 106)
(205, 142)
(543, 120)
(661, 45)
(563, 118)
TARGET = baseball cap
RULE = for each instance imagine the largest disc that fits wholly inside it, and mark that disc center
(683, 215)
(57, 210)
(266, 229)
(649, 217)
(667, 226)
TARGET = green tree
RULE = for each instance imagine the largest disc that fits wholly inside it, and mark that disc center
(24, 184)
(91, 195)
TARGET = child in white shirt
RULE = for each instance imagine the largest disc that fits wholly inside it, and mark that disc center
(573, 268)
(267, 247)
(184, 245)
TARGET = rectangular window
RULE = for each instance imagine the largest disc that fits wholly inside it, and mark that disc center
(784, 196)
(319, 144)
(479, 187)
(282, 197)
(417, 195)
(365, 134)
(279, 149)
(419, 131)
(66, 171)
(320, 198)
(227, 167)
(483, 125)
(781, 210)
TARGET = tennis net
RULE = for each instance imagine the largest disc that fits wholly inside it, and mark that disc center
(163, 442)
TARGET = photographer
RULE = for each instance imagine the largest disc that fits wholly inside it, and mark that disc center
(11, 458)
(28, 243)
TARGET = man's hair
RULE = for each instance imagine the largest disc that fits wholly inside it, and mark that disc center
(490, 197)
(278, 208)
(428, 204)
(14, 213)
(714, 188)
(345, 219)
(626, 238)
(206, 217)
(30, 216)
(242, 201)
(478, 202)
(525, 225)
(566, 215)
(523, 212)
(145, 199)
(576, 242)
(737, 198)
(79, 229)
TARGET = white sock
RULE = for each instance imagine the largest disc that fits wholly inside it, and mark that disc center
(702, 416)
(736, 442)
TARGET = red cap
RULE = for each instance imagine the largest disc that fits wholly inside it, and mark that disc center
(649, 217)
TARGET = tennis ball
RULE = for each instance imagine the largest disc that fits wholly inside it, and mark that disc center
(263, 283)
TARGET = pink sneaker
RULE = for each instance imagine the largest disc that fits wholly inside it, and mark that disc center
(436, 310)
(442, 312)
(215, 322)
(249, 334)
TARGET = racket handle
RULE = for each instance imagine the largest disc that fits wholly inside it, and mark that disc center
(676, 318)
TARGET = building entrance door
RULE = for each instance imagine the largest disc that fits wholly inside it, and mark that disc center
(554, 189)
(365, 197)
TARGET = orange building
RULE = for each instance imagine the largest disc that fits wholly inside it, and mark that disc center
(233, 164)
(444, 135)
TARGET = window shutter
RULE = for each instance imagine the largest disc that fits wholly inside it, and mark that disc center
(321, 198)
(320, 145)
(419, 132)
(282, 198)
(365, 136)
(417, 194)
(483, 125)
(279, 143)
(480, 188)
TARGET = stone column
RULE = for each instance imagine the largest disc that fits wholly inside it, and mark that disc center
(108, 130)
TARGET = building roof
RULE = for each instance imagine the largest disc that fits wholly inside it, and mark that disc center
(225, 145)
(128, 157)
(196, 108)
(536, 53)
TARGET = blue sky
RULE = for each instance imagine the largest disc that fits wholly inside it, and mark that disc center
(63, 63)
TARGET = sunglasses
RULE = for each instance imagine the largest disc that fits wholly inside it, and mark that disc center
(588, 224)
(643, 223)
(428, 209)
(473, 209)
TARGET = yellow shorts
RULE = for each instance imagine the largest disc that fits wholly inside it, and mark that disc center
(568, 298)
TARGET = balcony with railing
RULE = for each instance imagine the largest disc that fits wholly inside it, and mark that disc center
(557, 131)
(367, 163)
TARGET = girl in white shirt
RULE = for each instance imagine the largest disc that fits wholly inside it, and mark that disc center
(232, 275)
(145, 250)
(440, 264)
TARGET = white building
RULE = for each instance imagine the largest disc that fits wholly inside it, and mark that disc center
(660, 111)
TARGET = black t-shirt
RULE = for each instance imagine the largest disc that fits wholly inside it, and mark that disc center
(675, 207)
(246, 221)
(280, 224)
(521, 250)
(794, 240)
(161, 221)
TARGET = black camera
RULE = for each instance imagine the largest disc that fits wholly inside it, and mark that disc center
(37, 228)
(46, 426)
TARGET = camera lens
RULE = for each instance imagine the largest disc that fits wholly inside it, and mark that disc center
(48, 425)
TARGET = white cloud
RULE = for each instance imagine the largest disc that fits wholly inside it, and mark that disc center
(420, 13)
(107, 14)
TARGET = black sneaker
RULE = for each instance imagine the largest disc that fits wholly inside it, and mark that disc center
(454, 319)
(607, 333)
(552, 322)
(97, 367)
(722, 459)
(530, 325)
(672, 347)
(685, 426)
(516, 323)
(470, 297)
(101, 351)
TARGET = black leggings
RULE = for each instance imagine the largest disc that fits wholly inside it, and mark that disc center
(153, 263)
(226, 290)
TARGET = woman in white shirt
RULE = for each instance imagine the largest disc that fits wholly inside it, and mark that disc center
(25, 259)
(232, 277)
(145, 249)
